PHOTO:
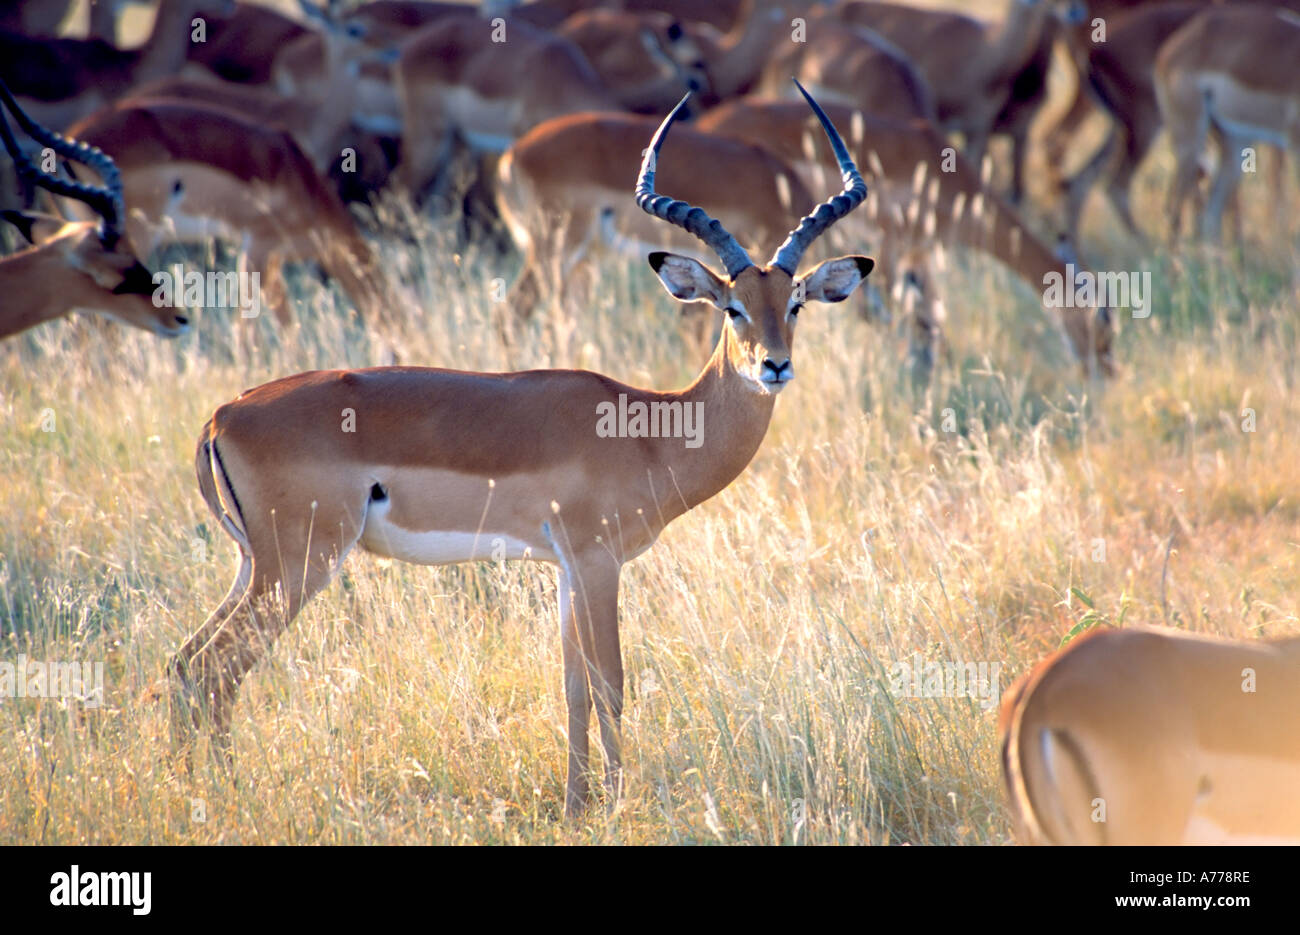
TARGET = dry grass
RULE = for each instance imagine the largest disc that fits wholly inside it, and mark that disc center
(415, 705)
(411, 704)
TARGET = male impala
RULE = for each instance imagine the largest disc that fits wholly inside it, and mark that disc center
(1233, 69)
(1156, 737)
(445, 463)
(73, 264)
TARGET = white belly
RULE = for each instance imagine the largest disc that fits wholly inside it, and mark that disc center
(441, 547)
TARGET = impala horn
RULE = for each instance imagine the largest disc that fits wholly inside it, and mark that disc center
(679, 213)
(828, 212)
(106, 200)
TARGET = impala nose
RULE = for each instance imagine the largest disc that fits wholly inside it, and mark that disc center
(777, 372)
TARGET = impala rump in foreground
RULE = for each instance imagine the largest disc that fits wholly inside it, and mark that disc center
(441, 463)
(1156, 736)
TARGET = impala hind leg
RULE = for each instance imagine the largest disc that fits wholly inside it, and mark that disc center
(1224, 189)
(291, 562)
(1188, 120)
(593, 668)
(208, 672)
(184, 708)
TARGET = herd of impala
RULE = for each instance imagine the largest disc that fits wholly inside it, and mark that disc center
(238, 120)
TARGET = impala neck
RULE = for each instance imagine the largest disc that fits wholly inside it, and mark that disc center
(165, 50)
(17, 273)
(1010, 242)
(1018, 37)
(736, 416)
(745, 50)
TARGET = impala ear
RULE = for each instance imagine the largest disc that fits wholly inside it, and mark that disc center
(835, 280)
(688, 280)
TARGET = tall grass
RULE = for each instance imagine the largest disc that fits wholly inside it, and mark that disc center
(879, 524)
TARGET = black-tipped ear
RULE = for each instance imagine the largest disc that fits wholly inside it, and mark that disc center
(23, 222)
(688, 279)
(834, 280)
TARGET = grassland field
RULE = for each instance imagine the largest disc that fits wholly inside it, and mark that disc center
(981, 519)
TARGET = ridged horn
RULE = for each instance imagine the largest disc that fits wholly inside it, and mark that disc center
(679, 213)
(787, 256)
(105, 200)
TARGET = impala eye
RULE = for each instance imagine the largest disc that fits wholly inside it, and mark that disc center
(736, 314)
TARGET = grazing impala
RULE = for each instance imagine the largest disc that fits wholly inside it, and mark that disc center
(458, 78)
(1120, 77)
(242, 46)
(73, 264)
(240, 181)
(1233, 69)
(443, 464)
(317, 113)
(851, 66)
(1156, 737)
(631, 54)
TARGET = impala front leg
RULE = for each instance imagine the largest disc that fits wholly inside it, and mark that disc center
(593, 664)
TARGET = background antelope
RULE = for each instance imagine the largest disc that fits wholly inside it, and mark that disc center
(90, 261)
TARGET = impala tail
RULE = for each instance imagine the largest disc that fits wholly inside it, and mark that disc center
(215, 486)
